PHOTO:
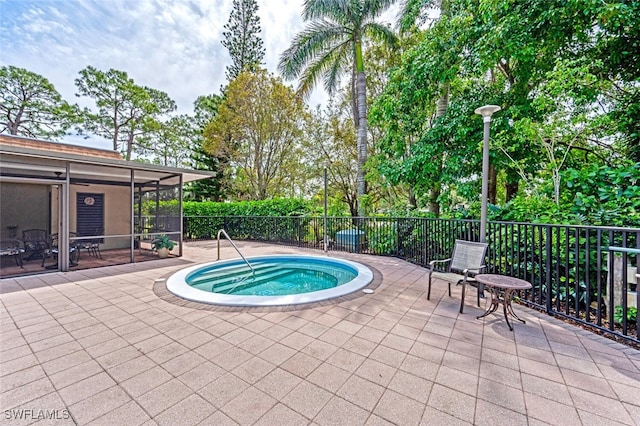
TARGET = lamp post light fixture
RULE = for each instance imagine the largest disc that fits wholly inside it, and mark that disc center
(486, 112)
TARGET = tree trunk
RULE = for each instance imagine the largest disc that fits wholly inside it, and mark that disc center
(361, 140)
(441, 109)
(511, 190)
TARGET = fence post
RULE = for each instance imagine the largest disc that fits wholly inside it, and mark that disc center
(547, 265)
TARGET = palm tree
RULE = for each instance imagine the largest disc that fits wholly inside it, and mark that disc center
(331, 45)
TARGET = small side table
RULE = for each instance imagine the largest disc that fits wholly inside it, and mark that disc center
(502, 290)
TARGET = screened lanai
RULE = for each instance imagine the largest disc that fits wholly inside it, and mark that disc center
(65, 207)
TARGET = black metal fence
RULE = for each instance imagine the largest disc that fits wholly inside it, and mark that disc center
(582, 273)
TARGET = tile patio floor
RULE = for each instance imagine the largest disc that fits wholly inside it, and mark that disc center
(100, 347)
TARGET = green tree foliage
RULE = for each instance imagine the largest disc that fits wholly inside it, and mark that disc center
(242, 38)
(169, 143)
(258, 127)
(31, 106)
(333, 146)
(124, 109)
(332, 45)
(214, 189)
(563, 72)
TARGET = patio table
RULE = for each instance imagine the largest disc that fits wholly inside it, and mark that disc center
(502, 289)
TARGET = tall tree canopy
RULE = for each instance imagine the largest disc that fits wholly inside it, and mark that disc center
(125, 110)
(563, 71)
(31, 106)
(214, 189)
(258, 127)
(242, 38)
(331, 45)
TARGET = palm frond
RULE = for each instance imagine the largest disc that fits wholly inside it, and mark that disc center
(307, 45)
(381, 32)
(411, 12)
(332, 62)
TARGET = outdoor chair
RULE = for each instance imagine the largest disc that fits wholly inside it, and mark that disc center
(466, 261)
(35, 243)
(11, 247)
(92, 245)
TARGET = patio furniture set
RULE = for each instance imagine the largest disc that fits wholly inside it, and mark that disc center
(466, 266)
(39, 244)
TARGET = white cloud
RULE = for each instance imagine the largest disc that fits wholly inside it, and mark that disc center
(170, 45)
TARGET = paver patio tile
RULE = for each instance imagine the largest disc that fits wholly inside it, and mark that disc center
(490, 414)
(218, 418)
(307, 399)
(278, 383)
(130, 368)
(238, 336)
(106, 347)
(301, 364)
(341, 412)
(588, 418)
(458, 404)
(360, 346)
(249, 406)
(458, 380)
(167, 352)
(47, 408)
(328, 377)
(388, 356)
(283, 415)
(212, 348)
(502, 395)
(196, 339)
(549, 411)
(462, 362)
(120, 356)
(57, 351)
(377, 359)
(182, 363)
(130, 414)
(160, 398)
(145, 381)
(376, 372)
(85, 388)
(223, 390)
(190, 411)
(202, 375)
(549, 389)
(399, 409)
(21, 378)
(361, 392)
(16, 352)
(253, 369)
(75, 374)
(99, 404)
(609, 408)
(411, 386)
(310, 330)
(231, 358)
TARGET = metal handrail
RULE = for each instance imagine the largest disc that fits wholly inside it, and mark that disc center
(222, 231)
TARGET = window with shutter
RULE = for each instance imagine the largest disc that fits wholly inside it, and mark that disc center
(90, 214)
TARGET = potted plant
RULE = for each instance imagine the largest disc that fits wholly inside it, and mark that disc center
(163, 245)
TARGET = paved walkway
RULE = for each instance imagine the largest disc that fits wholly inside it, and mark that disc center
(100, 347)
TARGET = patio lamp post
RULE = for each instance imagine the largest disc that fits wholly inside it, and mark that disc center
(486, 112)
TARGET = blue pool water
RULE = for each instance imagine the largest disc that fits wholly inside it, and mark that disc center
(276, 280)
(274, 276)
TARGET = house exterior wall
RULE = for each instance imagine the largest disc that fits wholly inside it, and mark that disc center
(117, 212)
(25, 205)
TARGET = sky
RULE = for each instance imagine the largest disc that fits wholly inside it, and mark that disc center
(169, 45)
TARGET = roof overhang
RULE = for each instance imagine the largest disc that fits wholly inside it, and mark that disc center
(99, 166)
